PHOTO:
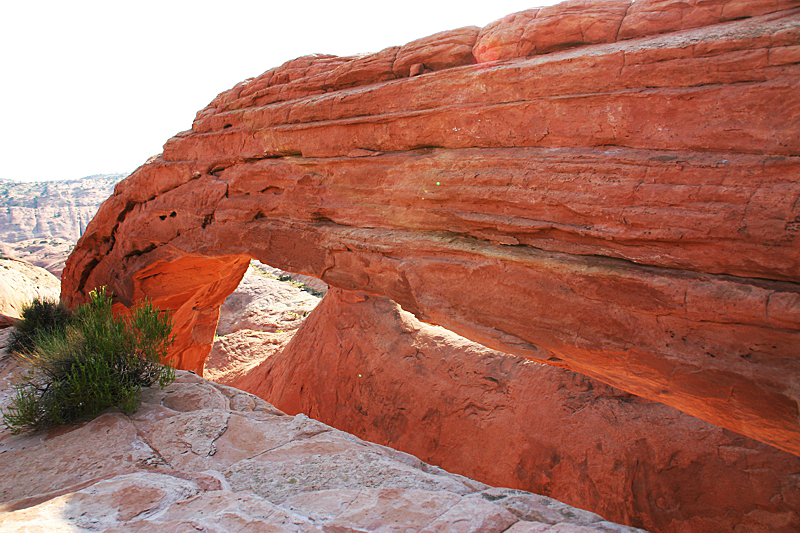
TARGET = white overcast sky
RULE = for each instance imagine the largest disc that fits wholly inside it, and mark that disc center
(95, 87)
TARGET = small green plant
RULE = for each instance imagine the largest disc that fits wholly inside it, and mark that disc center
(91, 362)
(261, 271)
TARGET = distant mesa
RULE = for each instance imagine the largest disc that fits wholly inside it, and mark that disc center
(40, 222)
(51, 209)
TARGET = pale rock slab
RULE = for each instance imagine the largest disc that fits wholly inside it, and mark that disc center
(198, 456)
(21, 283)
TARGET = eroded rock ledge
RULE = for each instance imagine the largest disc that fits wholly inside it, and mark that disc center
(624, 204)
(206, 457)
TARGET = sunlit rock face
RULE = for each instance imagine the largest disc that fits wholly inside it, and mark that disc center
(21, 283)
(616, 198)
(257, 320)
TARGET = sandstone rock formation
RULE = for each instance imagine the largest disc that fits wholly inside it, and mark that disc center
(623, 204)
(199, 456)
(21, 283)
(48, 209)
(365, 366)
(7, 321)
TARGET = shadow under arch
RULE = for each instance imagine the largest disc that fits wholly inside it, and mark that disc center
(192, 288)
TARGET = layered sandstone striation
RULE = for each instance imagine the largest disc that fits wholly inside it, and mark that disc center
(363, 365)
(619, 201)
(41, 221)
(198, 456)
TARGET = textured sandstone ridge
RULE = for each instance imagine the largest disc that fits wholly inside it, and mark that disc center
(198, 456)
(626, 209)
(363, 365)
(21, 283)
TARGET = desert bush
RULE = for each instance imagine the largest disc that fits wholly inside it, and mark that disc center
(94, 362)
(40, 317)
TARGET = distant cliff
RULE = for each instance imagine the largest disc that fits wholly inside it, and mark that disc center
(49, 209)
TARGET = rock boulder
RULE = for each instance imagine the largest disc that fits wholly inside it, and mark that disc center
(21, 283)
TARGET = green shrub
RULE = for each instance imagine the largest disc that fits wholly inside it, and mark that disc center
(92, 362)
(40, 317)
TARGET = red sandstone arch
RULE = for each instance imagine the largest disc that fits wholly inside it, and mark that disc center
(627, 208)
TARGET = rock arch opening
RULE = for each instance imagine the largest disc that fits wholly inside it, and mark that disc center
(257, 321)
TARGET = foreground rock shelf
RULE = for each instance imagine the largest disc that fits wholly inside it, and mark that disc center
(199, 456)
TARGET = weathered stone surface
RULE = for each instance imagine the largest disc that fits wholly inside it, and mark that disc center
(258, 319)
(365, 366)
(235, 356)
(579, 22)
(205, 457)
(628, 209)
(436, 52)
(21, 283)
(264, 303)
(547, 29)
(648, 17)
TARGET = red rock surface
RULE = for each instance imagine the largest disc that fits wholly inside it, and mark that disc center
(257, 320)
(628, 210)
(579, 22)
(361, 364)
